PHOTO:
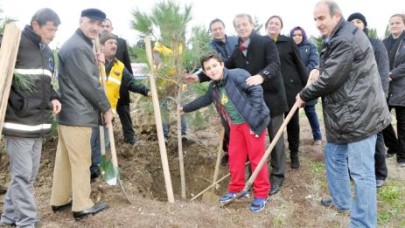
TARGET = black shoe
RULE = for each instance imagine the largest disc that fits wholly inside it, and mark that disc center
(327, 202)
(94, 176)
(274, 189)
(295, 162)
(61, 207)
(380, 183)
(91, 211)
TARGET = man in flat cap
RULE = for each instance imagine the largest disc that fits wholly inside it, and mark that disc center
(83, 98)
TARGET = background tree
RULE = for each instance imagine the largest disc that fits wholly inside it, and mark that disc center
(168, 24)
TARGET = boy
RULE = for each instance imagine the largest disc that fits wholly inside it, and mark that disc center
(243, 108)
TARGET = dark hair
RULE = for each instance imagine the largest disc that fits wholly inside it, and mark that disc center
(304, 35)
(208, 56)
(215, 21)
(44, 15)
(401, 15)
(274, 16)
(106, 36)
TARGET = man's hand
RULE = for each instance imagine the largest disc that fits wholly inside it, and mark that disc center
(100, 58)
(299, 101)
(254, 80)
(181, 110)
(56, 106)
(108, 117)
(191, 78)
(149, 94)
(389, 77)
(313, 76)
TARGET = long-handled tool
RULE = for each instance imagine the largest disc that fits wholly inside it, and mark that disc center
(210, 196)
(249, 183)
(109, 169)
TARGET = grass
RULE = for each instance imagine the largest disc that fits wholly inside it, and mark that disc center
(391, 204)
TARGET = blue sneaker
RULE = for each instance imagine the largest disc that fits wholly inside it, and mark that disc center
(230, 195)
(258, 204)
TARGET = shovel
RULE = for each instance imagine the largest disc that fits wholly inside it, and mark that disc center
(210, 196)
(109, 168)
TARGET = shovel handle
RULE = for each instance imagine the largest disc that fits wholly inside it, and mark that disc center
(112, 146)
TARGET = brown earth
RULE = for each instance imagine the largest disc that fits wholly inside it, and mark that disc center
(296, 205)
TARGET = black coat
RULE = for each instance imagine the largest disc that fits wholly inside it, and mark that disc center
(123, 56)
(28, 113)
(292, 68)
(353, 101)
(262, 58)
(396, 95)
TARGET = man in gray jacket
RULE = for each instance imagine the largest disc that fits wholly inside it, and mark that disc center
(83, 98)
(355, 110)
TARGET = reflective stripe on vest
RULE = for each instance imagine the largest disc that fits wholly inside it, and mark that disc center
(113, 84)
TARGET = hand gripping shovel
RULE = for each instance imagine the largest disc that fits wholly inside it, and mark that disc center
(249, 183)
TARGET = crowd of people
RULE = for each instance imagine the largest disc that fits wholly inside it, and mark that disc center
(255, 82)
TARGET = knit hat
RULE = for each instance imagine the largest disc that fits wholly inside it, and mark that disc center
(107, 36)
(359, 16)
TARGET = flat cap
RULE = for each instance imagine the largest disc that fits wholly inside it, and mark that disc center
(95, 14)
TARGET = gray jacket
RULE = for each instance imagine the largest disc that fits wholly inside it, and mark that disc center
(82, 95)
(354, 104)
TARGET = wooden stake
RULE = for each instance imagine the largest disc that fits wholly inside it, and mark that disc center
(158, 120)
(8, 57)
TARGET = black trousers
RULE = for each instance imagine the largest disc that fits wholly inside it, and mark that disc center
(293, 134)
(381, 171)
(394, 144)
(126, 122)
(277, 162)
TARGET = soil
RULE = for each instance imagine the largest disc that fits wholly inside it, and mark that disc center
(296, 205)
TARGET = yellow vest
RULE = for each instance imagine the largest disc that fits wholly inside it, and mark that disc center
(113, 84)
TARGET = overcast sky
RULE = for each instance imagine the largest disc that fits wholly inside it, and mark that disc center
(293, 12)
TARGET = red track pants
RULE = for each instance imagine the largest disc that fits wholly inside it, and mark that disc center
(244, 145)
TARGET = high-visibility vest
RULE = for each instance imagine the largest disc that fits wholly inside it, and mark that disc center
(113, 84)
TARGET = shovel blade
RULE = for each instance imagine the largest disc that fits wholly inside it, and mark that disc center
(108, 171)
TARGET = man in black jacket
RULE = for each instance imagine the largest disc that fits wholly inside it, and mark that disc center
(123, 108)
(355, 110)
(28, 116)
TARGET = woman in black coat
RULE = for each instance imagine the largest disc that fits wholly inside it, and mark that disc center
(294, 76)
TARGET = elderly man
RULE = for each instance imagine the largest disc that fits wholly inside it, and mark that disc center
(354, 109)
(83, 98)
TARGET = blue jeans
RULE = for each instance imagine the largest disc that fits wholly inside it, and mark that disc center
(165, 119)
(356, 161)
(96, 147)
(310, 112)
